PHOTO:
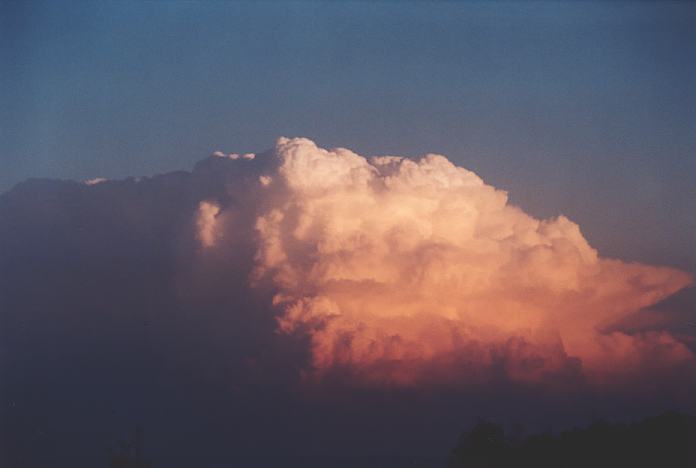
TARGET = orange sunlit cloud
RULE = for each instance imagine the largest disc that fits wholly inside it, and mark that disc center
(410, 271)
(206, 221)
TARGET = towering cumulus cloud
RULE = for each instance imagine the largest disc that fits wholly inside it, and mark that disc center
(404, 272)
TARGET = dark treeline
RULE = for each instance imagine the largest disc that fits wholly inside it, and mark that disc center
(668, 440)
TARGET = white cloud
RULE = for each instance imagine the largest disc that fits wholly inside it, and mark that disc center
(402, 265)
(206, 222)
(95, 181)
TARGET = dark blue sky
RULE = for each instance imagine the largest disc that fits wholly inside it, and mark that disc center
(586, 109)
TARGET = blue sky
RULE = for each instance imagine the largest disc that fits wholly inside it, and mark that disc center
(586, 109)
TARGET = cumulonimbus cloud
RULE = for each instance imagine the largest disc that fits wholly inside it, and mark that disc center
(386, 272)
(407, 271)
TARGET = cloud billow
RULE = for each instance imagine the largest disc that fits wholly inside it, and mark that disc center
(410, 272)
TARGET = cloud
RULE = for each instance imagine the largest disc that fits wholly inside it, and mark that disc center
(405, 290)
(395, 267)
(206, 221)
(95, 181)
(234, 156)
(393, 270)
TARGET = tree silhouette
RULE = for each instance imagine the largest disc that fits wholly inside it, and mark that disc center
(667, 440)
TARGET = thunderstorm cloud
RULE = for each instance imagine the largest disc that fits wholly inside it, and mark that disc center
(412, 271)
(349, 293)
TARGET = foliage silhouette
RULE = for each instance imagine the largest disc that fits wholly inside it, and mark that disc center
(667, 440)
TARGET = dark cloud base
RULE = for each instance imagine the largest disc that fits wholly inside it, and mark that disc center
(111, 317)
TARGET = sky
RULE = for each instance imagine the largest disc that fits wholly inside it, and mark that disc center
(233, 296)
(586, 109)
